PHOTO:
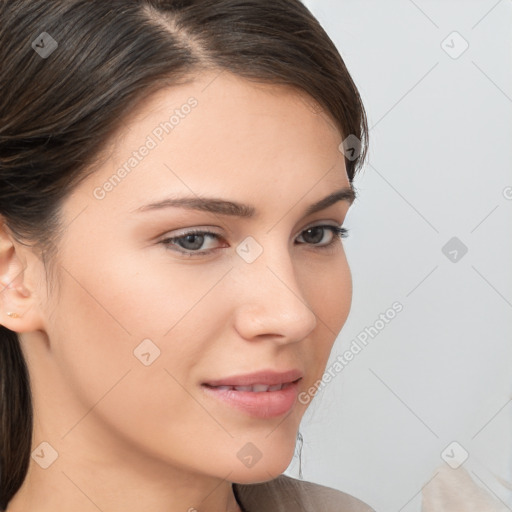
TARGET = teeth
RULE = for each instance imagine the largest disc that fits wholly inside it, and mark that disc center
(259, 387)
(243, 388)
(256, 388)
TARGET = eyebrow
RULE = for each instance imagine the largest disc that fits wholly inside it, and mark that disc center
(234, 209)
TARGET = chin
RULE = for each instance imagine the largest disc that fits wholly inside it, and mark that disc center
(269, 466)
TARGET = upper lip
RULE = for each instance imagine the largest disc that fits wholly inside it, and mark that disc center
(267, 377)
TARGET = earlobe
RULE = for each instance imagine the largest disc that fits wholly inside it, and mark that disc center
(17, 311)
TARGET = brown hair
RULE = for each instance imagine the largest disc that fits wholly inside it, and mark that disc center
(70, 70)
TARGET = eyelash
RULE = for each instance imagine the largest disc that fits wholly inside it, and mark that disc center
(339, 233)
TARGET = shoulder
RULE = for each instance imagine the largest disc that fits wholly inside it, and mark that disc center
(286, 494)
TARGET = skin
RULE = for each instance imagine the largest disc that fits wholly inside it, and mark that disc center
(133, 437)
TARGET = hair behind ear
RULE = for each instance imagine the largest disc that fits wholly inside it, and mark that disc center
(15, 416)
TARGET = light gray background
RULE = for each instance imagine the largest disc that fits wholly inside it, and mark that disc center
(439, 163)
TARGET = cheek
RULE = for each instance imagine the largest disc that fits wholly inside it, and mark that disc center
(97, 327)
(113, 315)
(92, 343)
(328, 288)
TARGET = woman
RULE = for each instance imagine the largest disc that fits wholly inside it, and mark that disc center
(173, 180)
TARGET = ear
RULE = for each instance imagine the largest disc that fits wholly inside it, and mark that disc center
(19, 308)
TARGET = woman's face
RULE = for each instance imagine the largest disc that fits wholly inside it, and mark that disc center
(139, 323)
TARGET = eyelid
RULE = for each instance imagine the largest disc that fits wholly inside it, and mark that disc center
(201, 229)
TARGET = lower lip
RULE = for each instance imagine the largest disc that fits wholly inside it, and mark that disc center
(264, 404)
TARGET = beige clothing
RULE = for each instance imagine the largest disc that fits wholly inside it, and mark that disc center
(286, 494)
(453, 490)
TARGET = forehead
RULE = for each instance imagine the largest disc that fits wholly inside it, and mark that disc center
(224, 108)
(221, 133)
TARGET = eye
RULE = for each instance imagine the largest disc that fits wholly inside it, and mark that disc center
(316, 233)
(192, 242)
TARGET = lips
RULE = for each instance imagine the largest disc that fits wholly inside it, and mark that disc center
(257, 380)
(266, 394)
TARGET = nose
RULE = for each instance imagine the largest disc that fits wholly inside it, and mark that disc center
(270, 301)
